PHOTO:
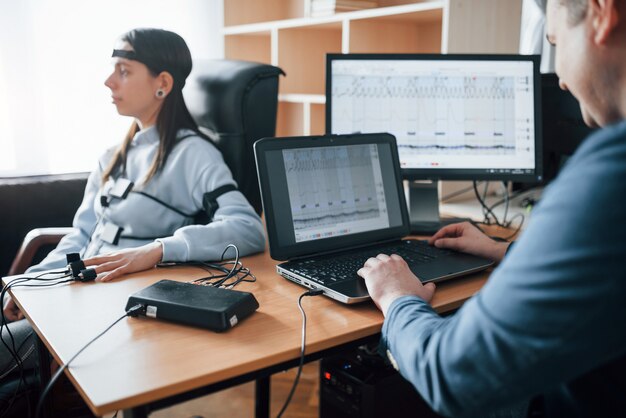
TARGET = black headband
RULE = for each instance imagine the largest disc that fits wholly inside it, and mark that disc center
(133, 55)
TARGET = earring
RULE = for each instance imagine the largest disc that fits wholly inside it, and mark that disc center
(160, 93)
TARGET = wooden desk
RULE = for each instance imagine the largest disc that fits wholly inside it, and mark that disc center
(142, 361)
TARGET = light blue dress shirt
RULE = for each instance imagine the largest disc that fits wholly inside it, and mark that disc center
(193, 168)
(554, 310)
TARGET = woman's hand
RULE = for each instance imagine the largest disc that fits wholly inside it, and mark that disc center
(389, 277)
(466, 238)
(114, 265)
(11, 311)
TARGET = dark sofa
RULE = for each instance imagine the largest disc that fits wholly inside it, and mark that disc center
(35, 202)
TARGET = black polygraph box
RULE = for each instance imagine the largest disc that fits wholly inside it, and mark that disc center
(203, 306)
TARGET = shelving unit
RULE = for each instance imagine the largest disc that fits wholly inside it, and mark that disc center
(278, 32)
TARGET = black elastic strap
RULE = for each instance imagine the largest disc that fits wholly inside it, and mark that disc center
(159, 201)
(123, 53)
(209, 200)
(151, 63)
(135, 238)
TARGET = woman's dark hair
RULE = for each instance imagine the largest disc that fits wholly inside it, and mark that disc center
(164, 51)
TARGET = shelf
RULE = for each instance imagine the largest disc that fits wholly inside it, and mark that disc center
(318, 119)
(417, 32)
(305, 66)
(249, 47)
(265, 26)
(298, 119)
(303, 98)
(279, 33)
(241, 12)
(290, 119)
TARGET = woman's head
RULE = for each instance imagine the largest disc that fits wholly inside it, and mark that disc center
(151, 66)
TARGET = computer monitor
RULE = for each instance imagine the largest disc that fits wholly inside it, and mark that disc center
(455, 117)
(563, 126)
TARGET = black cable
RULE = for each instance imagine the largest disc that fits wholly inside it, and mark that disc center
(519, 227)
(513, 196)
(312, 292)
(13, 351)
(486, 209)
(18, 283)
(170, 207)
(134, 311)
(228, 269)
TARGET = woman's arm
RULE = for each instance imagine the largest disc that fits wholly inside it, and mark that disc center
(199, 170)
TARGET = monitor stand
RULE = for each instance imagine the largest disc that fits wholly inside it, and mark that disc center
(424, 208)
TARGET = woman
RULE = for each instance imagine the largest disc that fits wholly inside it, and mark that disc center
(141, 203)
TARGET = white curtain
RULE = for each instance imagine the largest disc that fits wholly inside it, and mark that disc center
(56, 114)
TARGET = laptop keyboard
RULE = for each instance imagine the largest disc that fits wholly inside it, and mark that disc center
(337, 268)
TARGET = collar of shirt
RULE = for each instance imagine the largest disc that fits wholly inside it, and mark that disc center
(146, 136)
(151, 135)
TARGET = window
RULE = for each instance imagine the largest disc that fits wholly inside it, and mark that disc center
(56, 114)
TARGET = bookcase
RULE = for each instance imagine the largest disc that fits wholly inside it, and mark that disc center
(281, 33)
(278, 32)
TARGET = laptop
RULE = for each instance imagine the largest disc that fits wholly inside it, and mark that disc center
(331, 202)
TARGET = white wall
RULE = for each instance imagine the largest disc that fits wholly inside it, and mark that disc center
(55, 112)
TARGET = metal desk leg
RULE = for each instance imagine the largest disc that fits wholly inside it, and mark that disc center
(262, 398)
(138, 412)
(43, 360)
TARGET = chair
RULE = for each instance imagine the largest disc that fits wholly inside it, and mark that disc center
(235, 104)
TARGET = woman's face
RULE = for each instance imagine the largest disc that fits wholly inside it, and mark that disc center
(133, 89)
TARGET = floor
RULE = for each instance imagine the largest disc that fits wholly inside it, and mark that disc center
(239, 401)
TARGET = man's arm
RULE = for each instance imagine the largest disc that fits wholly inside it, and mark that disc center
(549, 312)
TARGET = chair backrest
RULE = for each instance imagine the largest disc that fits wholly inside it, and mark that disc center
(235, 104)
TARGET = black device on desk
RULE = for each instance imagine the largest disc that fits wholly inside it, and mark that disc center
(331, 202)
(456, 117)
(191, 304)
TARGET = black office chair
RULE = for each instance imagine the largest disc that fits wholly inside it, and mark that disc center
(235, 104)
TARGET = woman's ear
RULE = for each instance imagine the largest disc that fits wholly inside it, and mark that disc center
(165, 83)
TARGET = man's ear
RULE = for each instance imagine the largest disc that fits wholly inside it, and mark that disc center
(604, 19)
(166, 82)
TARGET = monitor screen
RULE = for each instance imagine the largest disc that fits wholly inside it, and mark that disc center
(322, 193)
(455, 117)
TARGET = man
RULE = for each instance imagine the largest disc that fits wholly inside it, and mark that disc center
(551, 320)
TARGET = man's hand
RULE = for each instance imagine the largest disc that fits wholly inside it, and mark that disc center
(465, 237)
(114, 265)
(11, 311)
(389, 277)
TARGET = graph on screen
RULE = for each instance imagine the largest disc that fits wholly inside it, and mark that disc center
(335, 191)
(443, 114)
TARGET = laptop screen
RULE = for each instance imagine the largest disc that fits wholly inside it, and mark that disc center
(327, 193)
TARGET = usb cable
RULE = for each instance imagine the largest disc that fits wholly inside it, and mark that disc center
(312, 292)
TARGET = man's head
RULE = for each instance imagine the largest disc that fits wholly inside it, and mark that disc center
(590, 39)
